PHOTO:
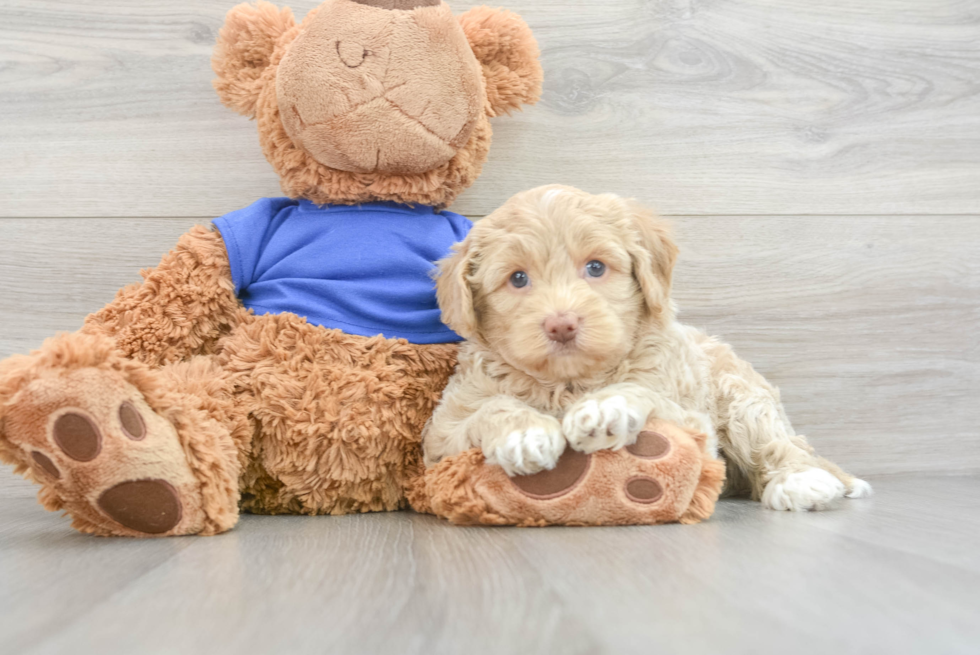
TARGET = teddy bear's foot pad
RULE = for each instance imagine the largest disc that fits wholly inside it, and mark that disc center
(665, 476)
(117, 466)
(567, 474)
(148, 506)
(572, 469)
(632, 471)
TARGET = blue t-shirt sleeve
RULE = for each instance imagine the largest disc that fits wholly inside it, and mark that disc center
(244, 232)
(460, 224)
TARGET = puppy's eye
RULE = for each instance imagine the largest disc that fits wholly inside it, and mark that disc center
(519, 279)
(595, 268)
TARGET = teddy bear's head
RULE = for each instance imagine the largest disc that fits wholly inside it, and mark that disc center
(375, 99)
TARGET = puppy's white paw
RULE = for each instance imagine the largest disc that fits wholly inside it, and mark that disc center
(860, 489)
(527, 451)
(592, 425)
(813, 488)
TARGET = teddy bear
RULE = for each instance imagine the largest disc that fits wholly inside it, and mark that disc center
(285, 359)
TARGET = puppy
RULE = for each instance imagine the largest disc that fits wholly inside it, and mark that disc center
(564, 299)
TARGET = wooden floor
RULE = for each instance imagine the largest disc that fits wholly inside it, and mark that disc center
(897, 573)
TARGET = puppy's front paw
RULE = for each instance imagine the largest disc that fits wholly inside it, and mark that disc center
(813, 488)
(528, 450)
(592, 425)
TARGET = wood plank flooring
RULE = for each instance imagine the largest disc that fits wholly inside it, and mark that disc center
(897, 573)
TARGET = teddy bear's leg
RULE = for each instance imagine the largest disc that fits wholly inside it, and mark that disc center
(123, 448)
(667, 475)
(182, 307)
(709, 486)
(338, 417)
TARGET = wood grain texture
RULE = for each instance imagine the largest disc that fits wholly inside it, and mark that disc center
(54, 272)
(860, 579)
(741, 106)
(868, 324)
(12, 486)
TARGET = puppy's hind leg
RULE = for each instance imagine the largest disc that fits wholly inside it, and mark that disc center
(781, 467)
(856, 487)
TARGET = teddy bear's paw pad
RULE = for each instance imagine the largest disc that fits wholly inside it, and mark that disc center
(116, 457)
(117, 465)
(649, 445)
(45, 464)
(568, 473)
(77, 436)
(131, 422)
(643, 489)
(148, 506)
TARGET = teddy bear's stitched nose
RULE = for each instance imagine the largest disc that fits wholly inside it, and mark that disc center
(403, 5)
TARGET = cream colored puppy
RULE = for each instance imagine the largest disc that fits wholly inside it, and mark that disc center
(564, 299)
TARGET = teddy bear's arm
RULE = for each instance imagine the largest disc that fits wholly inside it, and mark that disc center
(181, 307)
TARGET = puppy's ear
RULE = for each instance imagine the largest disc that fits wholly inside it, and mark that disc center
(653, 254)
(453, 290)
(505, 47)
(245, 46)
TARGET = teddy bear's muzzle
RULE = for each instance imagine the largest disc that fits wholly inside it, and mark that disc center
(377, 136)
(403, 5)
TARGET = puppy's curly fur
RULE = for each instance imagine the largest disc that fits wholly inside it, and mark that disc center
(603, 266)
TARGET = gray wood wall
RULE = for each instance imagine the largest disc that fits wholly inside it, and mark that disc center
(821, 162)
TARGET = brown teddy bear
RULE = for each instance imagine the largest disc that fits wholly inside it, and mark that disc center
(286, 361)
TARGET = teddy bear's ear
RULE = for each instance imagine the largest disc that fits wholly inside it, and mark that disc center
(505, 47)
(245, 46)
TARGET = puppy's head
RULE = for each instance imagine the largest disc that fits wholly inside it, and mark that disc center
(560, 282)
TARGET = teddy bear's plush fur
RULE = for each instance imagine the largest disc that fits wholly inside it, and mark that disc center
(174, 406)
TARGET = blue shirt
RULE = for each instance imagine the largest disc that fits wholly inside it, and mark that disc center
(365, 269)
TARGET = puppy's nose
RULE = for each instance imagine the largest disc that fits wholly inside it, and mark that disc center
(561, 327)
